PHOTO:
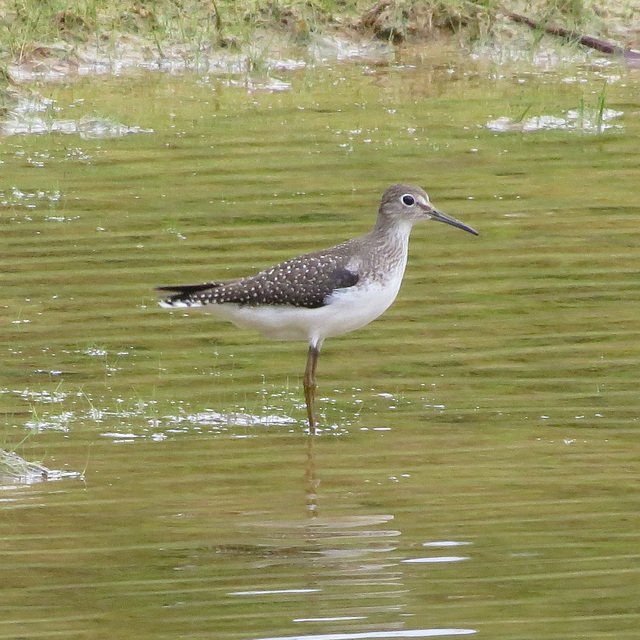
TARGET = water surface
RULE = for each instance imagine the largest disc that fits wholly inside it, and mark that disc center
(478, 465)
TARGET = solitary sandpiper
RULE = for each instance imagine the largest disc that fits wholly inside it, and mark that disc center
(325, 293)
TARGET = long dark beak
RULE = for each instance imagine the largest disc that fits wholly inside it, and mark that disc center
(443, 217)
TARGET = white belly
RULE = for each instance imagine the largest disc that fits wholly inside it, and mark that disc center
(347, 310)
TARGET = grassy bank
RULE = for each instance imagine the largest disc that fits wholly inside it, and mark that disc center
(225, 22)
(41, 32)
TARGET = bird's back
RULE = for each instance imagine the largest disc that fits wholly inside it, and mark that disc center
(305, 281)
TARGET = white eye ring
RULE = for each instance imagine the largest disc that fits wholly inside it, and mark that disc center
(408, 200)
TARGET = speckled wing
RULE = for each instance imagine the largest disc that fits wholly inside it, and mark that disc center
(306, 281)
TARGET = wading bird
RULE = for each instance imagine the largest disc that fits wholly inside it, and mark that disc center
(326, 293)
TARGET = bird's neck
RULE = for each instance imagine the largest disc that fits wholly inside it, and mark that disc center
(392, 231)
(387, 246)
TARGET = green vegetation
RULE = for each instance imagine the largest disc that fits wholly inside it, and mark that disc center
(38, 34)
(28, 23)
(30, 26)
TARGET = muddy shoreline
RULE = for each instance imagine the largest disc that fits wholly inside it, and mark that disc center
(251, 42)
(258, 47)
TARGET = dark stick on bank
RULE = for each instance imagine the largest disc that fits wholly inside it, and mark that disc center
(632, 57)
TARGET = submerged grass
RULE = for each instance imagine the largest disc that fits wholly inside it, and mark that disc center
(13, 466)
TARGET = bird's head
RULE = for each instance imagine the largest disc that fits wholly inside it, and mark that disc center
(402, 202)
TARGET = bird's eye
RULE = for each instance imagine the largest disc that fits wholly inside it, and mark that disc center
(408, 200)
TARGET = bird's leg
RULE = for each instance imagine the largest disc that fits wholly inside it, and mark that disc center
(309, 383)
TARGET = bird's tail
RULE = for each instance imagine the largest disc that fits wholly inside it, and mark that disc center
(184, 295)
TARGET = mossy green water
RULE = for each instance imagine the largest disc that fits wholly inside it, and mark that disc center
(494, 405)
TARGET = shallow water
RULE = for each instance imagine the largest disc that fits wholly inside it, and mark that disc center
(477, 471)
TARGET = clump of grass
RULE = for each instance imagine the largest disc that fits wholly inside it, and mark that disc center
(26, 22)
(569, 13)
(593, 118)
(6, 94)
(601, 106)
(400, 20)
(15, 467)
